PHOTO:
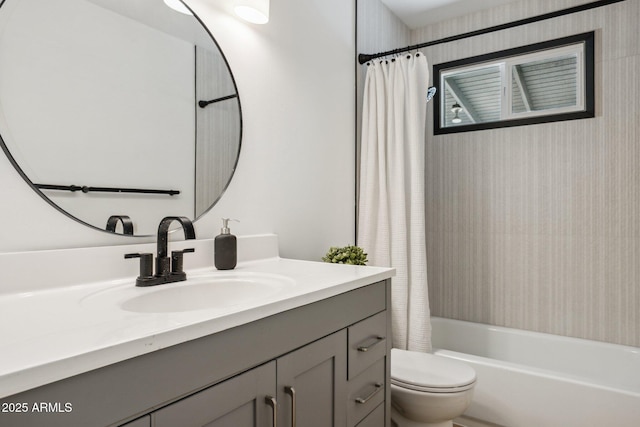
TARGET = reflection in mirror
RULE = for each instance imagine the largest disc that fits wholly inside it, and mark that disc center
(545, 82)
(99, 107)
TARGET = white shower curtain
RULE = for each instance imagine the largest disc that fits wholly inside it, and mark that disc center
(391, 219)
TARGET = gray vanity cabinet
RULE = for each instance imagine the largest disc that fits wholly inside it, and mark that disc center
(311, 384)
(330, 356)
(237, 402)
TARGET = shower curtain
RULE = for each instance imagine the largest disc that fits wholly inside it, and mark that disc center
(391, 215)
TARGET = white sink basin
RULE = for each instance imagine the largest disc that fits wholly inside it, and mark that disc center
(215, 291)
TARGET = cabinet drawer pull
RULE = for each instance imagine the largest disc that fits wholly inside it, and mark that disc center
(292, 392)
(363, 400)
(274, 405)
(367, 345)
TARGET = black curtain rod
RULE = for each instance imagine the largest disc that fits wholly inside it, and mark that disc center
(362, 58)
(86, 189)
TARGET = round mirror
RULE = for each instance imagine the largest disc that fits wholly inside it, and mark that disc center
(117, 112)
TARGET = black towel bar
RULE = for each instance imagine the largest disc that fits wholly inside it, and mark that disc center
(87, 189)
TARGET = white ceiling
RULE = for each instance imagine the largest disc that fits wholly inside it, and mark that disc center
(418, 13)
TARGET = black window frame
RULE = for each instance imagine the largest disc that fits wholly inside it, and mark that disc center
(589, 81)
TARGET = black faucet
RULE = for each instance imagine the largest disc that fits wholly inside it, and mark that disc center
(168, 270)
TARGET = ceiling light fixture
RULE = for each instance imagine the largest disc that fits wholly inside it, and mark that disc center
(455, 109)
(254, 11)
(178, 6)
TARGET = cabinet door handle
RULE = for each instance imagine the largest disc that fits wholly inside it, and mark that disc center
(292, 392)
(367, 345)
(363, 400)
(271, 401)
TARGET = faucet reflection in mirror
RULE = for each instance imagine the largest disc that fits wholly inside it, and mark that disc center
(167, 270)
(127, 224)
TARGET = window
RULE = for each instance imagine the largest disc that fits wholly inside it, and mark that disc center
(545, 82)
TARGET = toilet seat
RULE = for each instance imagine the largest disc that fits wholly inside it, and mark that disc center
(429, 373)
(426, 389)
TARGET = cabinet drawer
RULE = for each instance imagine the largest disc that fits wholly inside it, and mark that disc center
(366, 391)
(367, 343)
(374, 419)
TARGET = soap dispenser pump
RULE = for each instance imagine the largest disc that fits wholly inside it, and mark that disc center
(225, 247)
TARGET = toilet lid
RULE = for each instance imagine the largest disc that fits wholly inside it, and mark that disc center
(428, 372)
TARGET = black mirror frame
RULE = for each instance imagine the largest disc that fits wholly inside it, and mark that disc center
(125, 233)
(589, 101)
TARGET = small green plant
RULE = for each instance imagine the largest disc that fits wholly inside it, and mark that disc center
(353, 255)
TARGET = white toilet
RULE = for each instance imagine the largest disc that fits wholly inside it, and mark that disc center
(428, 390)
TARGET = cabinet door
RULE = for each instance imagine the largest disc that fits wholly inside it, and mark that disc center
(140, 422)
(237, 402)
(312, 384)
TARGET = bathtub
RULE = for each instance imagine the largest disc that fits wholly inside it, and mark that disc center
(529, 379)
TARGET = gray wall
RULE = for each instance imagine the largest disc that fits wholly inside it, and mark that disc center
(538, 227)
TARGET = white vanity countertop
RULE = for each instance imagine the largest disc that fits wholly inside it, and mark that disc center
(51, 334)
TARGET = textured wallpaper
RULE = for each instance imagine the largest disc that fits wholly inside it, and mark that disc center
(538, 227)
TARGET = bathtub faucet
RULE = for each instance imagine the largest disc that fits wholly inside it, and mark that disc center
(168, 270)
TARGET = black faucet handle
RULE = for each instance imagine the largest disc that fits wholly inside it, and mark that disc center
(146, 264)
(177, 260)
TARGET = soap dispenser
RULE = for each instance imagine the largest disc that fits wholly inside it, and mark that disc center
(225, 248)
